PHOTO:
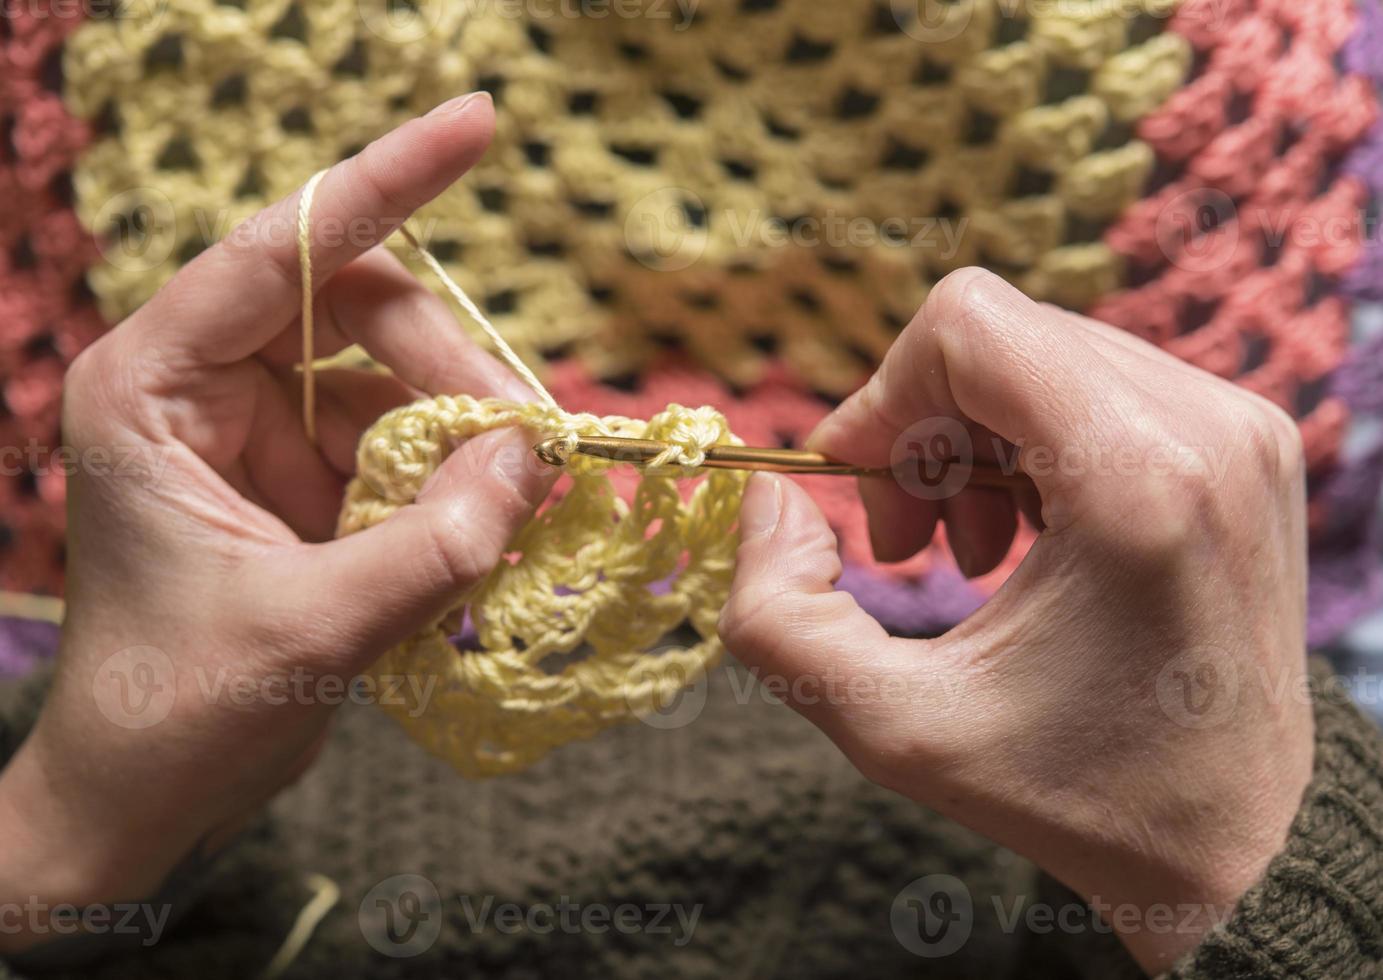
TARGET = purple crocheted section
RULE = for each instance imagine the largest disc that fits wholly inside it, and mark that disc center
(1346, 574)
(1364, 55)
(924, 608)
(23, 643)
(1360, 379)
(1365, 280)
(1346, 570)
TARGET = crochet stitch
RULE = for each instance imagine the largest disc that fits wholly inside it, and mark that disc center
(593, 584)
(46, 314)
(592, 575)
(1239, 251)
(628, 146)
(631, 147)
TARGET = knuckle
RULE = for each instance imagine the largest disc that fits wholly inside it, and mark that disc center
(245, 237)
(950, 299)
(885, 761)
(257, 245)
(461, 550)
(747, 621)
(98, 395)
(1266, 440)
(816, 548)
(813, 619)
(367, 169)
(1170, 515)
(510, 481)
(1257, 452)
(1285, 453)
(247, 241)
(1173, 509)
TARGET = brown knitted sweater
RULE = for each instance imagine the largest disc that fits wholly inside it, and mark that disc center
(742, 845)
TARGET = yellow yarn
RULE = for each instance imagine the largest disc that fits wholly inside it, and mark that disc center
(640, 163)
(581, 580)
(309, 191)
(565, 624)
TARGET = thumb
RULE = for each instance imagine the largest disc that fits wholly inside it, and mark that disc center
(802, 638)
(371, 590)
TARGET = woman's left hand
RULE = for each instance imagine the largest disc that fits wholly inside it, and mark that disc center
(211, 622)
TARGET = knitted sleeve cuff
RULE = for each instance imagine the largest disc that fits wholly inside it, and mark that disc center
(1318, 911)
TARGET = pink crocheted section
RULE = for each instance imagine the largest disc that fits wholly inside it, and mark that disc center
(1236, 256)
(46, 317)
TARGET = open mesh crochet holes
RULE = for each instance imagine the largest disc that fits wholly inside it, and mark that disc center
(760, 180)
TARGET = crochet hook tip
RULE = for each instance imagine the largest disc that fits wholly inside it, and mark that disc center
(553, 452)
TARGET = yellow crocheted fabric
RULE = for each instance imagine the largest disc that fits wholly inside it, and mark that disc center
(565, 626)
(745, 179)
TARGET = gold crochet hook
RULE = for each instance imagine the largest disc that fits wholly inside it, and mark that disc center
(640, 452)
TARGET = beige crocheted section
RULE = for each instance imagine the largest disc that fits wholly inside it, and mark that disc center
(765, 176)
(576, 627)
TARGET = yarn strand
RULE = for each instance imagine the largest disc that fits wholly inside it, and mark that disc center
(309, 191)
(502, 348)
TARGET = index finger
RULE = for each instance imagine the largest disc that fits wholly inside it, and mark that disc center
(980, 351)
(237, 295)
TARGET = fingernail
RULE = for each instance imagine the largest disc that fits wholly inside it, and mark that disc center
(882, 544)
(820, 438)
(763, 504)
(502, 456)
(838, 434)
(519, 466)
(960, 551)
(511, 387)
(815, 439)
(454, 107)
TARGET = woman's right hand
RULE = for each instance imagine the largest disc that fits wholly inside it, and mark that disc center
(1129, 711)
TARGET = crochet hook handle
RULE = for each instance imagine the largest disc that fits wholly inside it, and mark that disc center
(640, 452)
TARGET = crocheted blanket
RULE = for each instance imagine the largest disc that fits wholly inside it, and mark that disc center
(739, 204)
